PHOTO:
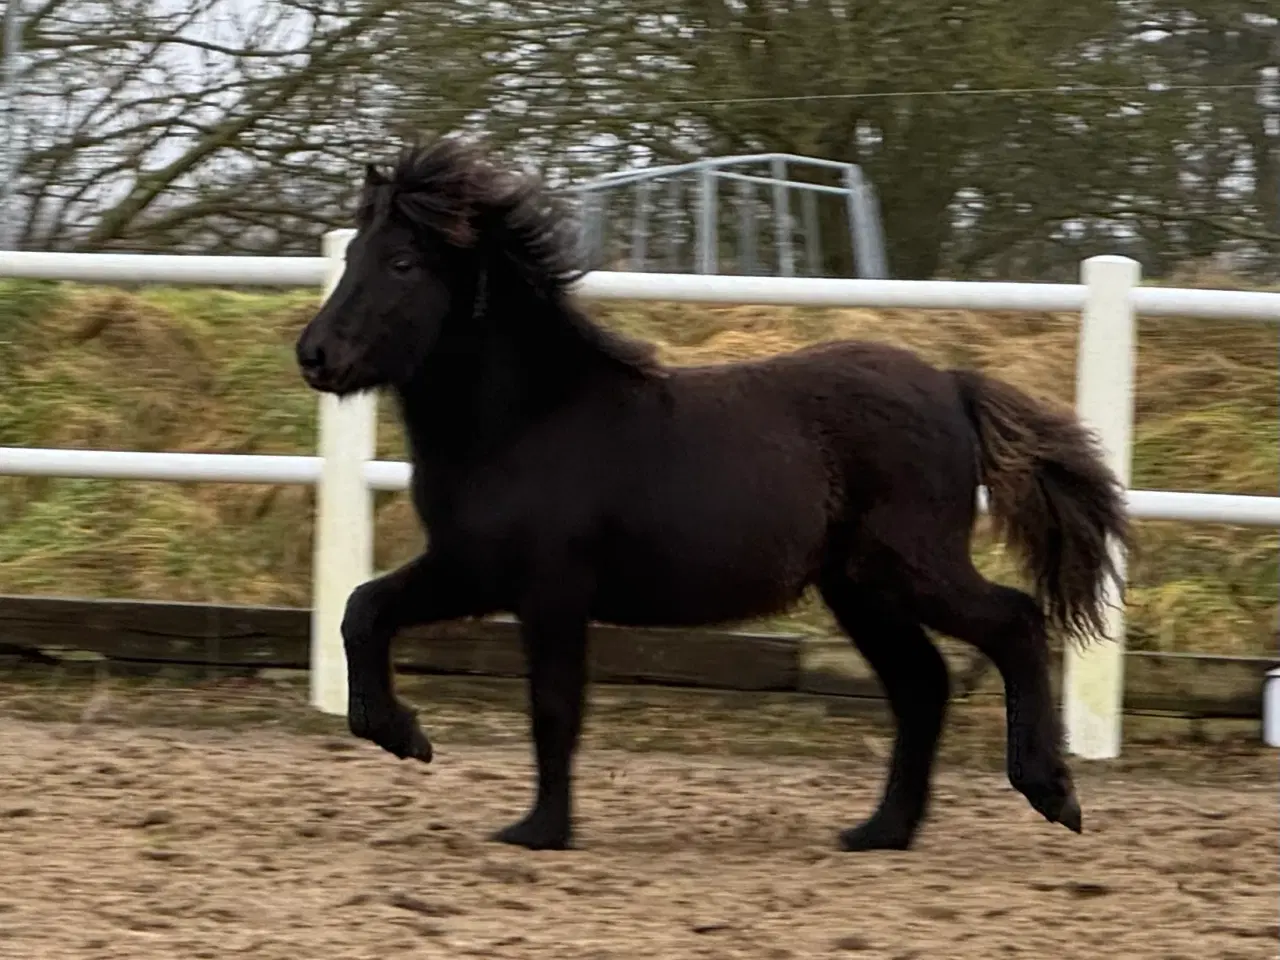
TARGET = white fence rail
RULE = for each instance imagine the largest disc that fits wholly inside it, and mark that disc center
(346, 474)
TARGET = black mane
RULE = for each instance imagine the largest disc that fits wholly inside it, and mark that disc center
(453, 188)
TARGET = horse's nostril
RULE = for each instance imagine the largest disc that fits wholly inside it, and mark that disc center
(310, 356)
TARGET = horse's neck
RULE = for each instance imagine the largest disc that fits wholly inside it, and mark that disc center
(462, 407)
(483, 386)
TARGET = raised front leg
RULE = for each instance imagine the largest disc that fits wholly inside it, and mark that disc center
(421, 591)
(554, 630)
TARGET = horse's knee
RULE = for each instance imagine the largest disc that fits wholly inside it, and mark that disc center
(364, 642)
(361, 614)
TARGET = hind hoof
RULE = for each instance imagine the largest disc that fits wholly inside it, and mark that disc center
(1070, 816)
(874, 835)
(1048, 787)
(537, 832)
(1058, 804)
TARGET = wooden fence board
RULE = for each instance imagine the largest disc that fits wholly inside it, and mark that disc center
(232, 636)
(214, 635)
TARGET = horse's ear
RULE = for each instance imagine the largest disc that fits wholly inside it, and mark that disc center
(373, 176)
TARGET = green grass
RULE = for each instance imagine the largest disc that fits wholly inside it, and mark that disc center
(212, 370)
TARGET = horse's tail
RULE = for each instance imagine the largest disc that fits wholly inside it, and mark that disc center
(1051, 497)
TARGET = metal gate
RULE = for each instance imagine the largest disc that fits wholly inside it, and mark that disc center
(672, 218)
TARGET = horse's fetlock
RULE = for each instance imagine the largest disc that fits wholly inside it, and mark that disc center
(359, 723)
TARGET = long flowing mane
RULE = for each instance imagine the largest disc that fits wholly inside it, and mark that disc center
(453, 188)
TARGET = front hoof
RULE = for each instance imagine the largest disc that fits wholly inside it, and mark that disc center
(399, 733)
(536, 833)
(875, 834)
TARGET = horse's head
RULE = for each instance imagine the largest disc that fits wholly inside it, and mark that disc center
(430, 233)
(412, 264)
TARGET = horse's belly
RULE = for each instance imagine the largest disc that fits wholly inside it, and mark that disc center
(683, 583)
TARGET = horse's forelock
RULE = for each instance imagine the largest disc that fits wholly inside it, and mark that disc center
(452, 187)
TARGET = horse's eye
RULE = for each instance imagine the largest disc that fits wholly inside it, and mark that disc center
(402, 264)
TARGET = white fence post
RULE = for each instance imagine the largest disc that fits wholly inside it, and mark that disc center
(1271, 708)
(1093, 676)
(344, 517)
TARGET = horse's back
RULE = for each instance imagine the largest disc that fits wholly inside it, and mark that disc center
(880, 414)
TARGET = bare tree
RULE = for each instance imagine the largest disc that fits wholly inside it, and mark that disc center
(995, 142)
(209, 124)
(236, 125)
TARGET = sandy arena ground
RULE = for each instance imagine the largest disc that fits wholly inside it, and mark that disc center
(123, 841)
(205, 844)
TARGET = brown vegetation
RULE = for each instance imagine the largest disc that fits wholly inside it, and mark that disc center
(210, 370)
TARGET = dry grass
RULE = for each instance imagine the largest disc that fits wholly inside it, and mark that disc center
(164, 369)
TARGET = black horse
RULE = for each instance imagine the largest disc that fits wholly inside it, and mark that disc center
(564, 475)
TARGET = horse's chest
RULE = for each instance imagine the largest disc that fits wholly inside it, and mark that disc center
(496, 517)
